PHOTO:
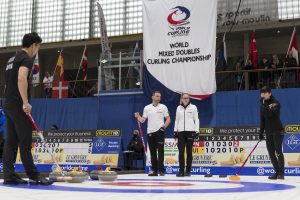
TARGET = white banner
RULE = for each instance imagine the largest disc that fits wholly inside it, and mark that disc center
(179, 44)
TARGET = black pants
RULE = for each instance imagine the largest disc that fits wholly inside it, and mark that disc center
(156, 143)
(48, 93)
(185, 141)
(274, 146)
(19, 133)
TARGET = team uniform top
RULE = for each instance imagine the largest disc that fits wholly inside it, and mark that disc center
(156, 116)
(186, 119)
(12, 93)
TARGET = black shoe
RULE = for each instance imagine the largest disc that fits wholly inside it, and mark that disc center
(161, 173)
(152, 173)
(18, 177)
(188, 174)
(15, 180)
(40, 181)
(280, 176)
(274, 177)
(180, 174)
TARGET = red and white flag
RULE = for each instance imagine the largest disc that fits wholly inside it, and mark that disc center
(84, 64)
(253, 51)
(36, 71)
(60, 89)
(293, 46)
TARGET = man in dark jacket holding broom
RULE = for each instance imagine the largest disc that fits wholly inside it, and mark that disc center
(271, 125)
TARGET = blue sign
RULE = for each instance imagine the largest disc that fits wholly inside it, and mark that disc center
(248, 171)
(107, 145)
(291, 143)
(65, 167)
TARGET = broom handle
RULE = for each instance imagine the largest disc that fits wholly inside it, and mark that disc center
(33, 123)
(240, 169)
(43, 141)
(141, 135)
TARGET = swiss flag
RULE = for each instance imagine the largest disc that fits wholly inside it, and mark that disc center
(253, 51)
(60, 89)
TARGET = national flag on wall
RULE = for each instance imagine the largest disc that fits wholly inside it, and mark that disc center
(60, 66)
(293, 46)
(84, 64)
(36, 71)
(223, 54)
(253, 51)
(60, 89)
(294, 49)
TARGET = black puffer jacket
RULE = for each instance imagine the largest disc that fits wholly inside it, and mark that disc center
(135, 145)
(270, 122)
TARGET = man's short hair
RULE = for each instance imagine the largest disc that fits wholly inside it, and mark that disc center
(265, 89)
(156, 92)
(31, 38)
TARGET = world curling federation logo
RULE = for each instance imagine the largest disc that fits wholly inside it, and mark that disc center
(179, 16)
(99, 144)
(178, 20)
(292, 142)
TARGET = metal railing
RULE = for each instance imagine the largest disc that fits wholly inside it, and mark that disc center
(120, 71)
(287, 77)
(226, 81)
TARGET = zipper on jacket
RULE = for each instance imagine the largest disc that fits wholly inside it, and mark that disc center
(184, 119)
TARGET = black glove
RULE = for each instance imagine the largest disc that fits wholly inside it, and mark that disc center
(175, 135)
(261, 136)
(162, 129)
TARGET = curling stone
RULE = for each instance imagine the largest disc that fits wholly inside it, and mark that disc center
(94, 174)
(208, 175)
(76, 177)
(222, 175)
(107, 175)
(57, 175)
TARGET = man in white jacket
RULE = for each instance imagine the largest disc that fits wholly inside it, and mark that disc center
(186, 127)
(158, 120)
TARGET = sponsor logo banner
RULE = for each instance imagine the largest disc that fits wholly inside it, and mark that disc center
(224, 149)
(89, 148)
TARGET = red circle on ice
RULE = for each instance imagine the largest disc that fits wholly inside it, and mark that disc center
(151, 184)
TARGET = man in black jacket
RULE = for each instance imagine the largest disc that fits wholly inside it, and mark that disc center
(271, 125)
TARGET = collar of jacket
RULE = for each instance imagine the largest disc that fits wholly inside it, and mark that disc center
(271, 100)
(186, 105)
(155, 105)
